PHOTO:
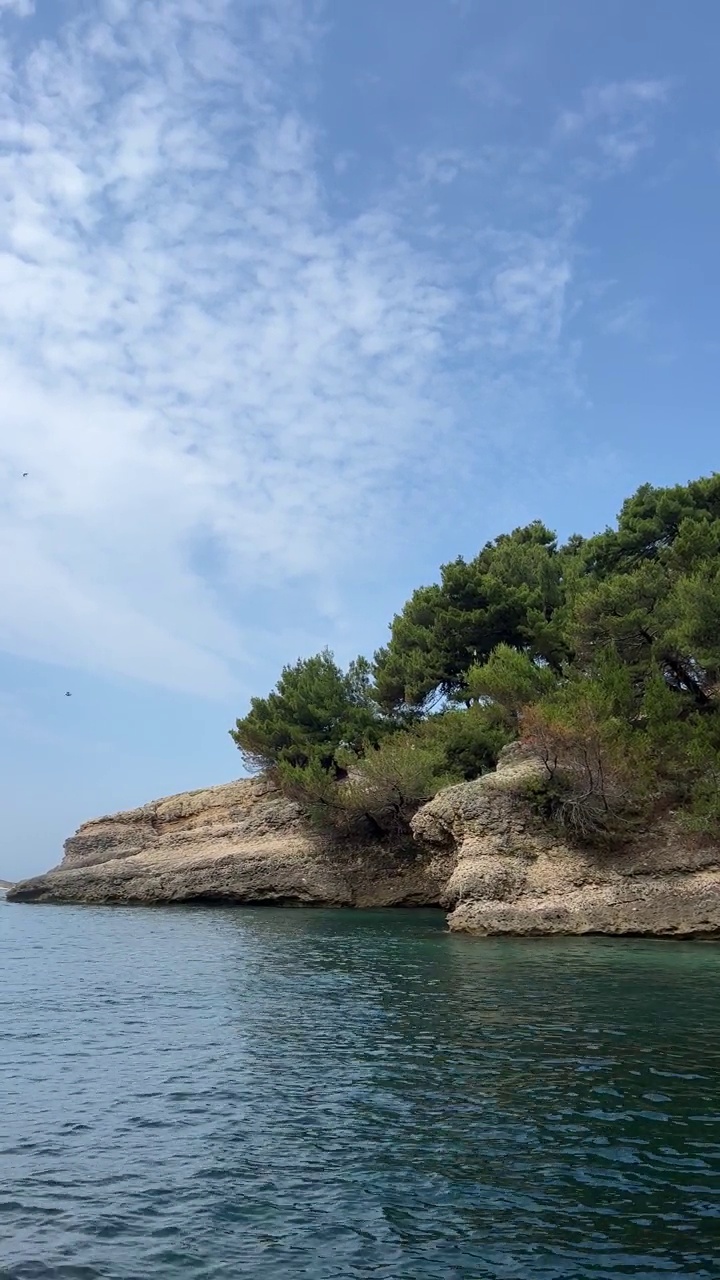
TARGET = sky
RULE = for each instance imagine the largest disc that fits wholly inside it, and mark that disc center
(299, 300)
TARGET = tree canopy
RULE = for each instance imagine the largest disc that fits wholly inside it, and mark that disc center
(315, 712)
(510, 593)
(602, 653)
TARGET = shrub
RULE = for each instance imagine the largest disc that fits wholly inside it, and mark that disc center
(595, 783)
(470, 741)
(382, 791)
(703, 754)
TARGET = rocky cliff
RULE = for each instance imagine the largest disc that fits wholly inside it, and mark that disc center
(480, 852)
(513, 875)
(241, 842)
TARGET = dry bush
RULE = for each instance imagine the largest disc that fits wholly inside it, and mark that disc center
(595, 783)
(380, 795)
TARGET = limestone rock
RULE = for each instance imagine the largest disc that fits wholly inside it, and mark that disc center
(240, 842)
(480, 851)
(514, 876)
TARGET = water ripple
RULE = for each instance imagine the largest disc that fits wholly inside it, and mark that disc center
(274, 1093)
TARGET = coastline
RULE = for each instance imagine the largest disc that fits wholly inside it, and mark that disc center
(478, 852)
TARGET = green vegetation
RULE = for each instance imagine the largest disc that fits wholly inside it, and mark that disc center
(381, 790)
(315, 714)
(602, 655)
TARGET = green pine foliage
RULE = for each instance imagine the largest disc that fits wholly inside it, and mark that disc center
(314, 714)
(510, 680)
(511, 593)
(603, 654)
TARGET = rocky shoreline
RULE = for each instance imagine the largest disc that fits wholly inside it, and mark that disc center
(479, 852)
(242, 842)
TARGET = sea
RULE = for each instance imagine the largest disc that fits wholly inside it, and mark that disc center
(191, 1093)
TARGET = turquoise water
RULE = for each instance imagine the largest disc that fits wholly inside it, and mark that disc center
(283, 1092)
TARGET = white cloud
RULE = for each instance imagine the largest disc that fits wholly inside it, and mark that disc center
(619, 116)
(532, 296)
(488, 88)
(218, 388)
(628, 320)
(613, 101)
(21, 8)
(192, 354)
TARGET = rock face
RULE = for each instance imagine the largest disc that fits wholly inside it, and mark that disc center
(241, 842)
(480, 852)
(513, 876)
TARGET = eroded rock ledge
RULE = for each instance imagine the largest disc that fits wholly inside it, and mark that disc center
(513, 876)
(240, 842)
(480, 852)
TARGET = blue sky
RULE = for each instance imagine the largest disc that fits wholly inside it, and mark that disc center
(299, 300)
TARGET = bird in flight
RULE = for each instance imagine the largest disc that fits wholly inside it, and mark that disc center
(24, 474)
(68, 695)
